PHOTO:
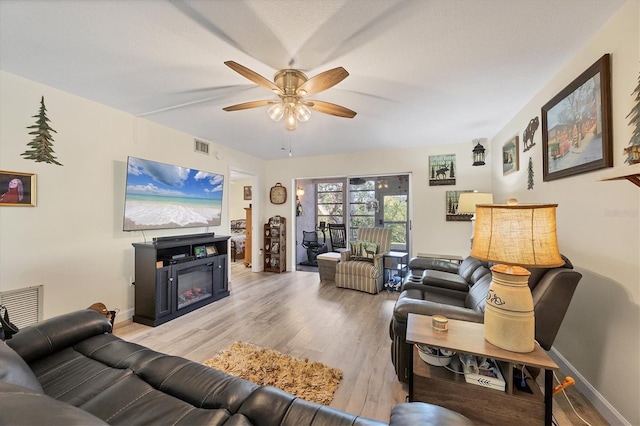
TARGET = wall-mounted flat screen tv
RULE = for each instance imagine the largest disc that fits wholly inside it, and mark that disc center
(164, 196)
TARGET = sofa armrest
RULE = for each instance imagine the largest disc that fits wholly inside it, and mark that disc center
(57, 333)
(551, 298)
(407, 305)
(378, 261)
(345, 255)
(420, 413)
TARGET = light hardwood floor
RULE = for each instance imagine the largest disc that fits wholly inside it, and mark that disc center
(296, 314)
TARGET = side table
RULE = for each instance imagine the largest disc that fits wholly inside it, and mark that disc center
(440, 386)
(395, 261)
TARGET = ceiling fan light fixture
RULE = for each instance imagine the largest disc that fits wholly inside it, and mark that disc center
(302, 112)
(276, 111)
(290, 122)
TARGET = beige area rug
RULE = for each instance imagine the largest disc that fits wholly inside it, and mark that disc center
(305, 379)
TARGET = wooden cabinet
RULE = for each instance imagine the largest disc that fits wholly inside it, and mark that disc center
(176, 275)
(275, 245)
(248, 236)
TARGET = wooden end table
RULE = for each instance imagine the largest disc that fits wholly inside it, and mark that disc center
(440, 386)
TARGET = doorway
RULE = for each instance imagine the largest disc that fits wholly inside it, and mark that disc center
(241, 205)
(367, 201)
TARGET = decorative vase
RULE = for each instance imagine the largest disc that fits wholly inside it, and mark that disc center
(509, 321)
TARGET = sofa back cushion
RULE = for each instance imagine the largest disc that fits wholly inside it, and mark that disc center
(477, 297)
(468, 267)
(538, 273)
(14, 370)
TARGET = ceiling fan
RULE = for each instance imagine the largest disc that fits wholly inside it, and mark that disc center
(292, 86)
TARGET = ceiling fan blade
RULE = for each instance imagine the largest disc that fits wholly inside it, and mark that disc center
(331, 109)
(248, 105)
(253, 76)
(322, 81)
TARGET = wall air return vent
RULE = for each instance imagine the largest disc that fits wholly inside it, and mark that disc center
(201, 147)
(24, 305)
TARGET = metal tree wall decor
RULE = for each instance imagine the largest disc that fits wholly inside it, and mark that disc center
(42, 144)
(633, 151)
(530, 174)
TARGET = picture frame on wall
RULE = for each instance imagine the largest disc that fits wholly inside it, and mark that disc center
(452, 199)
(510, 156)
(576, 125)
(17, 189)
(247, 193)
(442, 170)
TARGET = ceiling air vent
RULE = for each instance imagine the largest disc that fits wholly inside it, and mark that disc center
(202, 147)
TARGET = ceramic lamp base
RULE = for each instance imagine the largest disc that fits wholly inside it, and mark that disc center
(509, 321)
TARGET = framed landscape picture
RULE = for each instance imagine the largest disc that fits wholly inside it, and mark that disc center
(17, 189)
(510, 156)
(576, 125)
(452, 201)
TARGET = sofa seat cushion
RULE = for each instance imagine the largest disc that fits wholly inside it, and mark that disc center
(134, 401)
(28, 407)
(125, 383)
(357, 268)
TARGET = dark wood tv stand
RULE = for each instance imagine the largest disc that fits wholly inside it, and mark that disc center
(177, 275)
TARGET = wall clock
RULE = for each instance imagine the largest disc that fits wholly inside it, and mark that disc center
(278, 194)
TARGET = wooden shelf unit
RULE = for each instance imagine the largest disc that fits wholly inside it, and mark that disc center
(275, 245)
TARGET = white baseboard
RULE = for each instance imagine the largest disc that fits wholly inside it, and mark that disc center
(603, 406)
(124, 315)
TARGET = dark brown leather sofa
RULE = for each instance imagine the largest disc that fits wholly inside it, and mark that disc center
(552, 290)
(70, 370)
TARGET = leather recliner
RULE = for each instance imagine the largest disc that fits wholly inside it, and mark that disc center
(448, 278)
(552, 290)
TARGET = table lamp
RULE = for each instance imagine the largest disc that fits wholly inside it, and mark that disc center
(514, 236)
(467, 204)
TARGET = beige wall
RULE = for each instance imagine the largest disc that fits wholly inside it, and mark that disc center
(73, 242)
(598, 227)
(238, 203)
(430, 230)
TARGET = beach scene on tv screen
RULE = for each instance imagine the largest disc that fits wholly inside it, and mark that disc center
(162, 196)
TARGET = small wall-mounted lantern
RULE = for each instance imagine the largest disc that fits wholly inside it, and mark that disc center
(478, 153)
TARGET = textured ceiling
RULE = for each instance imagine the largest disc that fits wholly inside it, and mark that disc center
(421, 72)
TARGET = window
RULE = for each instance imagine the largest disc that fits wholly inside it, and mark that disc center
(330, 202)
(366, 202)
(362, 205)
(396, 219)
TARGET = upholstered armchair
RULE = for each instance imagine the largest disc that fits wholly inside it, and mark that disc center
(361, 269)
